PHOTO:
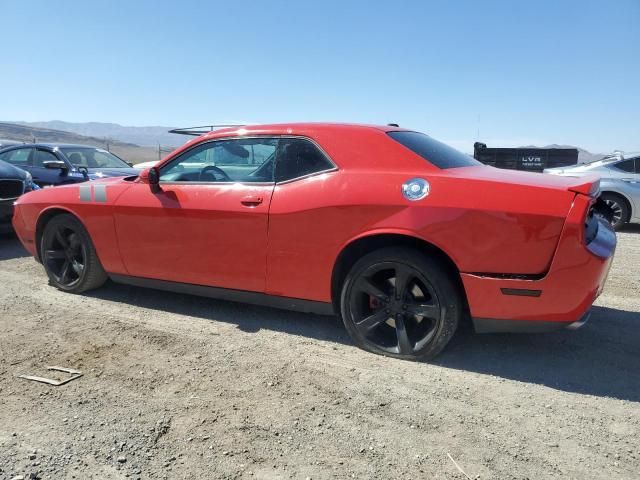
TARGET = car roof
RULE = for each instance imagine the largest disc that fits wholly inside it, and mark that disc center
(56, 145)
(298, 127)
(342, 142)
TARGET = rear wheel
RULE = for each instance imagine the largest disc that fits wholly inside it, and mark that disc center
(619, 208)
(69, 257)
(400, 303)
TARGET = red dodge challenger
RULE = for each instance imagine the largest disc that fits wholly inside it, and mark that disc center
(399, 234)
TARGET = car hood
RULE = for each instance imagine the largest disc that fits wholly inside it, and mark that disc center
(145, 165)
(8, 171)
(97, 173)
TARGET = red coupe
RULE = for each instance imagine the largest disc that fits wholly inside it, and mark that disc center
(399, 234)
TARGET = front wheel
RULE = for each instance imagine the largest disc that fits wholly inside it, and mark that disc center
(69, 257)
(401, 303)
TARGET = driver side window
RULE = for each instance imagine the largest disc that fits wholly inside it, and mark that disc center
(246, 160)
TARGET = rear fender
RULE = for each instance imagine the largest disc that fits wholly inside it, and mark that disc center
(396, 231)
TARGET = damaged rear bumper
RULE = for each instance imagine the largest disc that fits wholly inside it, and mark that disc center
(562, 297)
(492, 325)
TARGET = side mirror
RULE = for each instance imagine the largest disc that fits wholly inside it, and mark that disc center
(151, 177)
(55, 165)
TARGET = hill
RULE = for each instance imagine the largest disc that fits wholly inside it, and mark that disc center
(128, 151)
(145, 136)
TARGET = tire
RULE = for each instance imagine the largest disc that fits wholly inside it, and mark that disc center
(417, 323)
(69, 257)
(620, 207)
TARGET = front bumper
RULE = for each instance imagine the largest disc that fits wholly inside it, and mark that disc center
(561, 298)
(6, 214)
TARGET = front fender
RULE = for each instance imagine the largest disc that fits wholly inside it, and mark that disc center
(95, 212)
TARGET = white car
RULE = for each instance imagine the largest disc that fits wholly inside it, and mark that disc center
(619, 183)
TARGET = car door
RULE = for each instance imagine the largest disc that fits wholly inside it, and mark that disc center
(208, 223)
(47, 176)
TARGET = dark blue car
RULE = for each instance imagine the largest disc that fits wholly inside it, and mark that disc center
(59, 164)
(13, 183)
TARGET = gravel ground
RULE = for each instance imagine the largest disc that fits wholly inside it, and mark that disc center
(184, 387)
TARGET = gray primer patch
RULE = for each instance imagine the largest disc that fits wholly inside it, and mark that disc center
(100, 193)
(85, 193)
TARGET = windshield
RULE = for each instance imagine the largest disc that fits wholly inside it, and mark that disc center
(93, 158)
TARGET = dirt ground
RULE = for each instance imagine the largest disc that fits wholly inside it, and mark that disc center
(176, 386)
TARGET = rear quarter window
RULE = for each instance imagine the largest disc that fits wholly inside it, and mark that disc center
(625, 166)
(435, 152)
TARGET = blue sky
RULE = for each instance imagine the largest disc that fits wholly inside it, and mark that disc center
(522, 72)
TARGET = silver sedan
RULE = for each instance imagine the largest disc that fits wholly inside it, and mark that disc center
(619, 183)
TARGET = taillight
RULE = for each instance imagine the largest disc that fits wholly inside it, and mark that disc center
(591, 224)
(599, 237)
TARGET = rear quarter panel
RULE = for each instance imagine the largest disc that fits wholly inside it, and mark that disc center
(483, 226)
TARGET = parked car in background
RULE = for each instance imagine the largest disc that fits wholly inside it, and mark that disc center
(59, 164)
(13, 183)
(399, 234)
(619, 183)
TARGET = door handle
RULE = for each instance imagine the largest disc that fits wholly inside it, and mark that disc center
(251, 201)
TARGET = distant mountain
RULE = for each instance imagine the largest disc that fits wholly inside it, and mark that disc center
(584, 156)
(29, 133)
(147, 136)
(128, 151)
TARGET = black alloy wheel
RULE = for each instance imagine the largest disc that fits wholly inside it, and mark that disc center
(400, 303)
(619, 209)
(65, 256)
(69, 257)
